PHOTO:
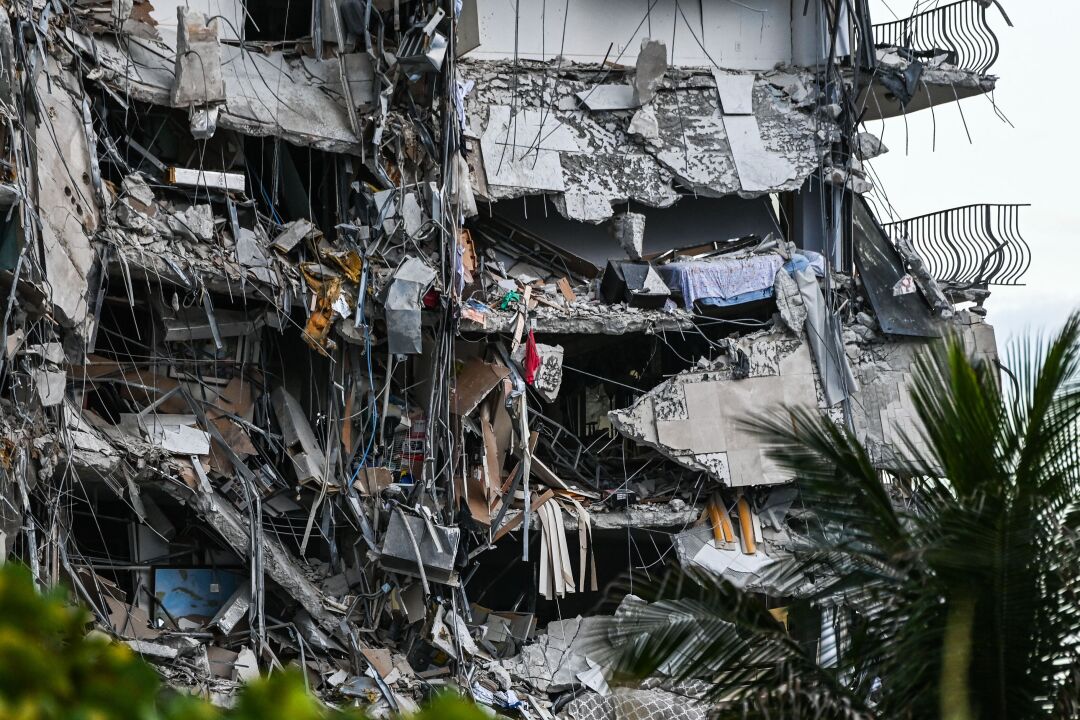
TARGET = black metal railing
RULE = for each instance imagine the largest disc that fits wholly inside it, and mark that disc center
(969, 245)
(959, 29)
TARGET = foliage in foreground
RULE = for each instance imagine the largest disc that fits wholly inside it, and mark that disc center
(960, 591)
(52, 668)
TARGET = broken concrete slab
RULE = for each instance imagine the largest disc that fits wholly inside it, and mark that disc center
(609, 97)
(278, 564)
(285, 96)
(410, 547)
(558, 657)
(696, 417)
(233, 610)
(294, 233)
(523, 148)
(883, 414)
(176, 434)
(759, 168)
(64, 173)
(869, 146)
(50, 385)
(644, 125)
(736, 91)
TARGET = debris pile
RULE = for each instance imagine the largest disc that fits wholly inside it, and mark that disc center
(342, 336)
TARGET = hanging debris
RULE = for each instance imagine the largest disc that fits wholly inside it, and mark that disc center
(377, 339)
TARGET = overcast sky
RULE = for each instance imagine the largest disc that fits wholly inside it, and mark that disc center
(1035, 162)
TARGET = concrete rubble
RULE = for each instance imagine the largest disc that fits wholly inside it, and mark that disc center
(366, 344)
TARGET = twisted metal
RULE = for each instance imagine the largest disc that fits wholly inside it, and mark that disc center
(959, 29)
(969, 245)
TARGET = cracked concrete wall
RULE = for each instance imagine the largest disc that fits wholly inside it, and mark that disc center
(695, 417)
(606, 162)
(740, 36)
(883, 415)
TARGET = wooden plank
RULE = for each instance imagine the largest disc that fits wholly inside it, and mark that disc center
(514, 522)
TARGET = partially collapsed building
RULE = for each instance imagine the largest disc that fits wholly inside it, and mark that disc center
(377, 337)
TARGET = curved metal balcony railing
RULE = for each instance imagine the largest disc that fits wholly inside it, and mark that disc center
(969, 245)
(959, 28)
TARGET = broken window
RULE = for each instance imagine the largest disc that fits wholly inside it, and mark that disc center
(277, 21)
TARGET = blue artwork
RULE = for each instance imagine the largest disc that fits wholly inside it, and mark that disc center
(194, 592)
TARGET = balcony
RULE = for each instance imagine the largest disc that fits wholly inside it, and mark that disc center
(933, 57)
(959, 30)
(969, 246)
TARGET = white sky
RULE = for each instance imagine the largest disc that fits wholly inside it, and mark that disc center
(1035, 162)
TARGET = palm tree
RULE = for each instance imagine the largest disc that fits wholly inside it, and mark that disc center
(957, 582)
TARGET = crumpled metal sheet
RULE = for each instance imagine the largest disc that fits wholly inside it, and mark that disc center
(403, 305)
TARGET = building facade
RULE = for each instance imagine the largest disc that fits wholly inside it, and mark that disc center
(382, 338)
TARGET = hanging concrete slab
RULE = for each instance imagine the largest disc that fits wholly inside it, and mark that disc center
(695, 418)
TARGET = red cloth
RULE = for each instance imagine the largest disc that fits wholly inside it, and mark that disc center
(532, 358)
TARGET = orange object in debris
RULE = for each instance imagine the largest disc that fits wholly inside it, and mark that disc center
(721, 523)
(746, 526)
(317, 332)
(468, 251)
(348, 262)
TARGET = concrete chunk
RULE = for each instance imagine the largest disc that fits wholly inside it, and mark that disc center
(199, 80)
(629, 230)
(651, 66)
(399, 555)
(233, 611)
